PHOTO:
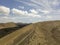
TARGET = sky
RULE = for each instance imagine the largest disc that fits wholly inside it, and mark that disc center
(29, 11)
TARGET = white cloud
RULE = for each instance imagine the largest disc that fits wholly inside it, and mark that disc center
(18, 12)
(45, 5)
(33, 15)
(42, 3)
(25, 13)
(4, 10)
(33, 11)
(5, 17)
(27, 3)
(31, 3)
(45, 11)
(49, 17)
(55, 2)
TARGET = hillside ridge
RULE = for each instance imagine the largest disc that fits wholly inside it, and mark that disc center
(46, 33)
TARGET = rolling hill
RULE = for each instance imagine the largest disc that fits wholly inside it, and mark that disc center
(46, 33)
(7, 25)
(7, 28)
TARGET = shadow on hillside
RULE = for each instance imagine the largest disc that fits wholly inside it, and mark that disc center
(5, 31)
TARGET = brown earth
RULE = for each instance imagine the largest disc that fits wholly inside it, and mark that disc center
(7, 25)
(46, 33)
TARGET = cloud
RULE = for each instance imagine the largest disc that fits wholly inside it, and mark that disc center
(45, 11)
(49, 17)
(25, 13)
(34, 15)
(5, 17)
(33, 11)
(18, 12)
(27, 3)
(36, 10)
(45, 5)
(56, 2)
(4, 10)
(30, 3)
(42, 3)
(21, 7)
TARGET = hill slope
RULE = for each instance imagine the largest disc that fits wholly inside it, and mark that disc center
(7, 28)
(46, 33)
(7, 25)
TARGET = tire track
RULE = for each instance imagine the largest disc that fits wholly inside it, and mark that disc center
(25, 40)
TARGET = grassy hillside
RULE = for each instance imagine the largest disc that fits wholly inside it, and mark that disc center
(11, 24)
(7, 25)
(7, 28)
(46, 33)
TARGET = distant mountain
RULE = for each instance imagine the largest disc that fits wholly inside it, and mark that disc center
(7, 25)
(22, 24)
(7, 28)
(11, 24)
